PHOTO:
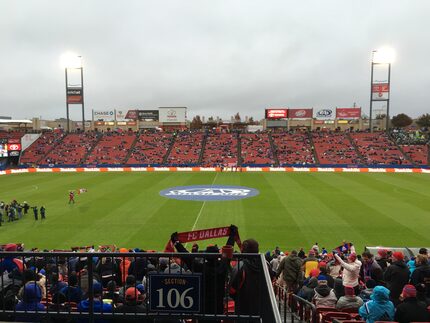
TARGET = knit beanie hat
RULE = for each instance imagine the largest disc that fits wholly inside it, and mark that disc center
(398, 255)
(409, 291)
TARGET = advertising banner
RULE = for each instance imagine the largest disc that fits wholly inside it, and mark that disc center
(172, 114)
(380, 92)
(300, 113)
(131, 114)
(14, 147)
(120, 115)
(74, 96)
(324, 114)
(276, 113)
(148, 115)
(348, 113)
(105, 115)
(28, 139)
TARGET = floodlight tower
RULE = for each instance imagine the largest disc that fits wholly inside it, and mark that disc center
(380, 89)
(74, 92)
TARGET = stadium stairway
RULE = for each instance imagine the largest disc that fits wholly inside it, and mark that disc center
(406, 156)
(314, 152)
(274, 151)
(130, 151)
(239, 151)
(84, 159)
(357, 151)
(202, 151)
(166, 156)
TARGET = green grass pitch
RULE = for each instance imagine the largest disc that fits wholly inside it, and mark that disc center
(293, 210)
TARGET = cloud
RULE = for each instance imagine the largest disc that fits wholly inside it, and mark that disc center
(215, 57)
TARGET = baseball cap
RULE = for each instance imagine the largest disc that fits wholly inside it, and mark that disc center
(132, 293)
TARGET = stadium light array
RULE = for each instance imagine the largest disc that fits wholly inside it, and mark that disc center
(70, 60)
(384, 55)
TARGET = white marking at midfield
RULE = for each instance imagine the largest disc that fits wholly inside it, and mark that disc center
(201, 209)
(36, 187)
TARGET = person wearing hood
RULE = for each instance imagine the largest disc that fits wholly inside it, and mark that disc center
(324, 295)
(349, 300)
(379, 308)
(246, 282)
(32, 295)
(291, 270)
(410, 310)
(351, 271)
(307, 292)
(98, 305)
(396, 276)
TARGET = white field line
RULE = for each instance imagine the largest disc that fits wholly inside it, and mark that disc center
(201, 209)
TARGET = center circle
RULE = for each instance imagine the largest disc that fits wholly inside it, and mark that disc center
(209, 192)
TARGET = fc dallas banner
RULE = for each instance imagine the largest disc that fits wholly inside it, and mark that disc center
(348, 113)
(380, 92)
(205, 234)
(300, 113)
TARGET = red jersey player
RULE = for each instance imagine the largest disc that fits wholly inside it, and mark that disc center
(71, 197)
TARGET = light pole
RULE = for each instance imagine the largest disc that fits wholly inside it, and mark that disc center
(74, 91)
(380, 88)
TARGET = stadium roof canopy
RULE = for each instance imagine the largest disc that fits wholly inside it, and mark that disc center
(12, 121)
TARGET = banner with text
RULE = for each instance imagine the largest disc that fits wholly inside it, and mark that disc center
(348, 113)
(324, 114)
(174, 114)
(380, 92)
(275, 113)
(300, 113)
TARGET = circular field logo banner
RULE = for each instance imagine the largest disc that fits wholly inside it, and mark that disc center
(209, 192)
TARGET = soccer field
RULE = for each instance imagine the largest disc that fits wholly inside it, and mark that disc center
(293, 210)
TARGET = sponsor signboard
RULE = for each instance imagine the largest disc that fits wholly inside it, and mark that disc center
(348, 113)
(175, 293)
(273, 113)
(380, 92)
(148, 115)
(13, 147)
(209, 192)
(74, 96)
(174, 114)
(131, 114)
(105, 115)
(120, 115)
(324, 114)
(300, 113)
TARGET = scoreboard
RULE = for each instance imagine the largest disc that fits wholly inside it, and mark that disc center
(3, 150)
(10, 148)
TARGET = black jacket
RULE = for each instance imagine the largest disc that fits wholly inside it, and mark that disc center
(421, 275)
(396, 276)
(411, 311)
(246, 286)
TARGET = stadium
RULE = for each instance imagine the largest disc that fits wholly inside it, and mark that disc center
(314, 210)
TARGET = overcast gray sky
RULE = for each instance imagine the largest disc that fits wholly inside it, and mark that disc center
(215, 57)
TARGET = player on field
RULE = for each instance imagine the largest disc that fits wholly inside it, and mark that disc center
(71, 197)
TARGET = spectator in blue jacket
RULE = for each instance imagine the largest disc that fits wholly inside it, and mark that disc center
(380, 308)
(32, 295)
(99, 306)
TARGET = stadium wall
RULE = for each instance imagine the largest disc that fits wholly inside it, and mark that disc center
(217, 169)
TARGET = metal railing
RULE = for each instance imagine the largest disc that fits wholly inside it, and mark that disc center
(174, 286)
